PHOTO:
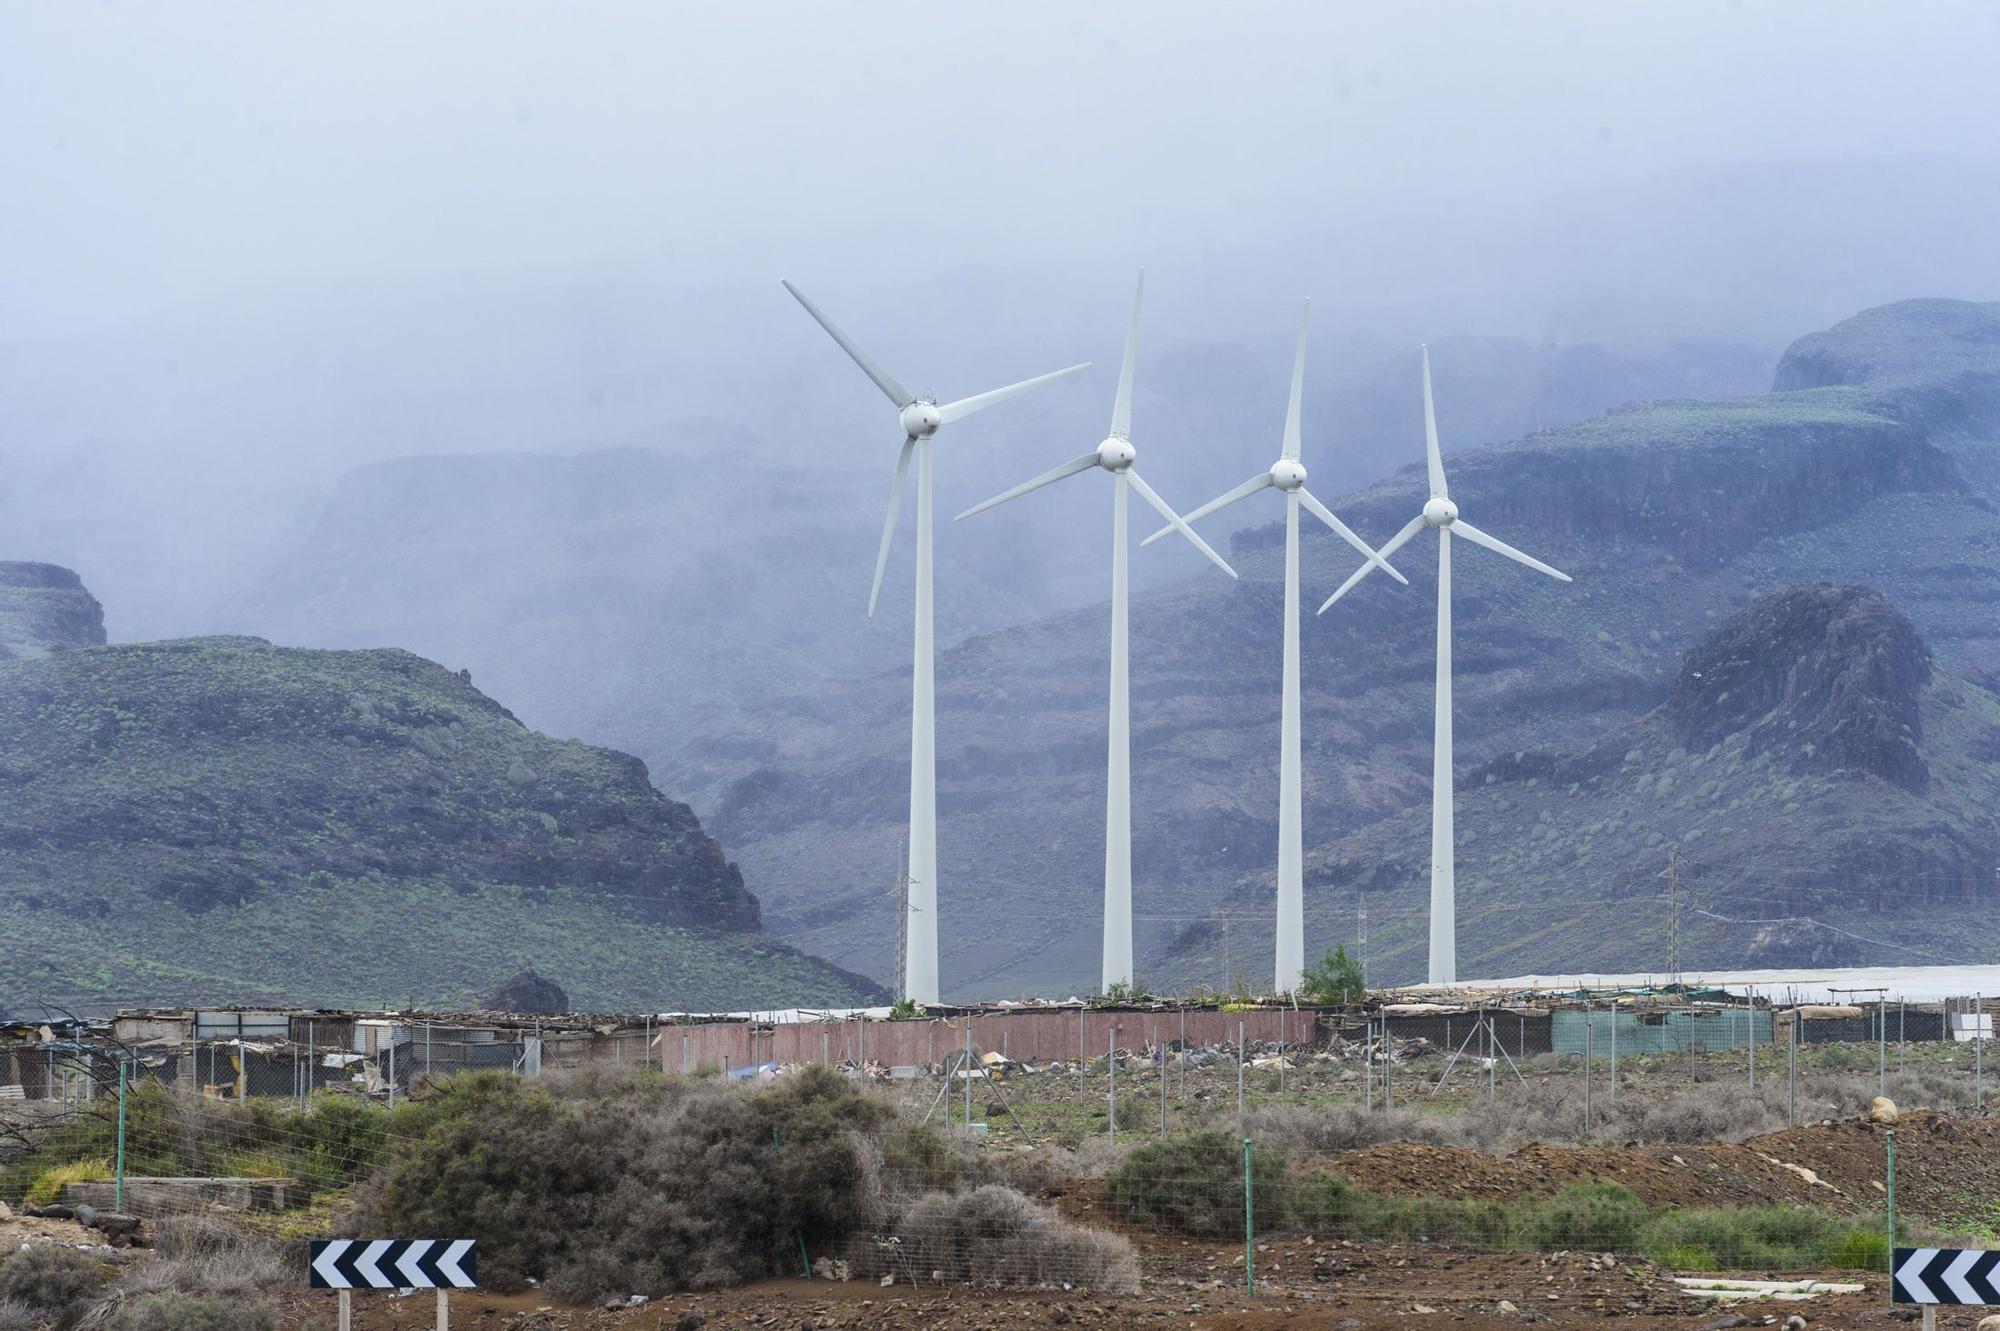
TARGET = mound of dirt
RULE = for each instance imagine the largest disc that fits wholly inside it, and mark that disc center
(1947, 1169)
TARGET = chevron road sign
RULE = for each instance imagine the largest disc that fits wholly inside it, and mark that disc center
(392, 1264)
(1945, 1275)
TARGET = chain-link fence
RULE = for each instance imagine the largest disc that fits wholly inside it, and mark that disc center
(1199, 1162)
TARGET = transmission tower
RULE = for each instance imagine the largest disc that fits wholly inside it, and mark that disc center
(1673, 877)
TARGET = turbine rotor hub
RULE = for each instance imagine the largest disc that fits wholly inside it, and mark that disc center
(921, 420)
(1116, 455)
(1440, 512)
(1288, 475)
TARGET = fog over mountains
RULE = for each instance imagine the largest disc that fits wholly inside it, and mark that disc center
(458, 331)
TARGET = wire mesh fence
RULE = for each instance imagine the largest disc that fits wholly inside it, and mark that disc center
(1216, 1162)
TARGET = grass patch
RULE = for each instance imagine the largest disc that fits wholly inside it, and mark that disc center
(49, 1183)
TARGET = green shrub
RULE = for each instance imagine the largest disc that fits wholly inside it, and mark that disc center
(1602, 1217)
(1335, 982)
(1764, 1238)
(48, 1186)
(55, 1283)
(186, 1312)
(1193, 1184)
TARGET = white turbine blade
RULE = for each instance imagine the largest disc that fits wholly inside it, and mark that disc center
(1121, 406)
(1432, 455)
(889, 523)
(1396, 543)
(1179, 524)
(1070, 468)
(1291, 449)
(1500, 547)
(1325, 515)
(1261, 481)
(965, 406)
(885, 381)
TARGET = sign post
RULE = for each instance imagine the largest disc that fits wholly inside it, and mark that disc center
(350, 1264)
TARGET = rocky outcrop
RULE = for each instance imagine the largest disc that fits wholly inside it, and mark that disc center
(529, 992)
(1828, 677)
(45, 608)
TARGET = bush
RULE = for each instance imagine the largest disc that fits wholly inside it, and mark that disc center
(1602, 1217)
(1335, 982)
(183, 1312)
(1763, 1238)
(16, 1316)
(995, 1236)
(54, 1283)
(1193, 1184)
(641, 1185)
(47, 1188)
(199, 1254)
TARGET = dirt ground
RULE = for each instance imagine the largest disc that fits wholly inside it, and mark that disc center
(1337, 1287)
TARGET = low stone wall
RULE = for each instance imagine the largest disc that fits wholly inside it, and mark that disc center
(151, 1198)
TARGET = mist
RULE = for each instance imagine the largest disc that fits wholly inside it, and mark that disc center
(250, 249)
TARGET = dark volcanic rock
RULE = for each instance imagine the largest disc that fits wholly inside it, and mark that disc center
(45, 608)
(1828, 675)
(529, 992)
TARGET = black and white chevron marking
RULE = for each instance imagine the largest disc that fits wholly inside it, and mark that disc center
(392, 1264)
(1945, 1275)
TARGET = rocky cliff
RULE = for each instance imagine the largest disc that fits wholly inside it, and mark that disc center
(45, 608)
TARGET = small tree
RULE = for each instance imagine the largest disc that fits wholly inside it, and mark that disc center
(1335, 982)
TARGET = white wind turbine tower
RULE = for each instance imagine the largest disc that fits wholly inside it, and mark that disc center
(1288, 476)
(1441, 513)
(921, 419)
(1116, 455)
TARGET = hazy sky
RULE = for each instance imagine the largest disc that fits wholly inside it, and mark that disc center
(1409, 153)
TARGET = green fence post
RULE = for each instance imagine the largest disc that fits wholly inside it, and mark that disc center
(1249, 1222)
(119, 1205)
(1889, 1138)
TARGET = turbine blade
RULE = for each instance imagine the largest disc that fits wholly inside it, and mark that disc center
(1396, 543)
(1432, 455)
(889, 523)
(1121, 406)
(1500, 547)
(1291, 449)
(965, 406)
(1325, 515)
(1070, 468)
(1179, 524)
(1261, 481)
(885, 381)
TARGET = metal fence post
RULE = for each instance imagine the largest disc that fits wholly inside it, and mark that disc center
(1163, 1088)
(1589, 1050)
(1889, 1149)
(1492, 1062)
(1281, 1053)
(1239, 1074)
(1882, 1044)
(1792, 1074)
(1978, 1053)
(1368, 1065)
(1249, 1220)
(1752, 1015)
(123, 1061)
(1111, 1062)
(1614, 1048)
(1902, 1031)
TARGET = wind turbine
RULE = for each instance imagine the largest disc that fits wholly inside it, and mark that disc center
(921, 418)
(1288, 476)
(1116, 456)
(1441, 513)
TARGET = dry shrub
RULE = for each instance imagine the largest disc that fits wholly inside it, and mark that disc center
(17, 1316)
(199, 1254)
(995, 1236)
(1048, 1167)
(185, 1312)
(647, 1185)
(55, 1283)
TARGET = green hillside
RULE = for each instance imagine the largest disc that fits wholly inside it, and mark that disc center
(220, 819)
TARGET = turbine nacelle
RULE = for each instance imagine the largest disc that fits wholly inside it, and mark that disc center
(1288, 475)
(1440, 512)
(1116, 455)
(921, 419)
